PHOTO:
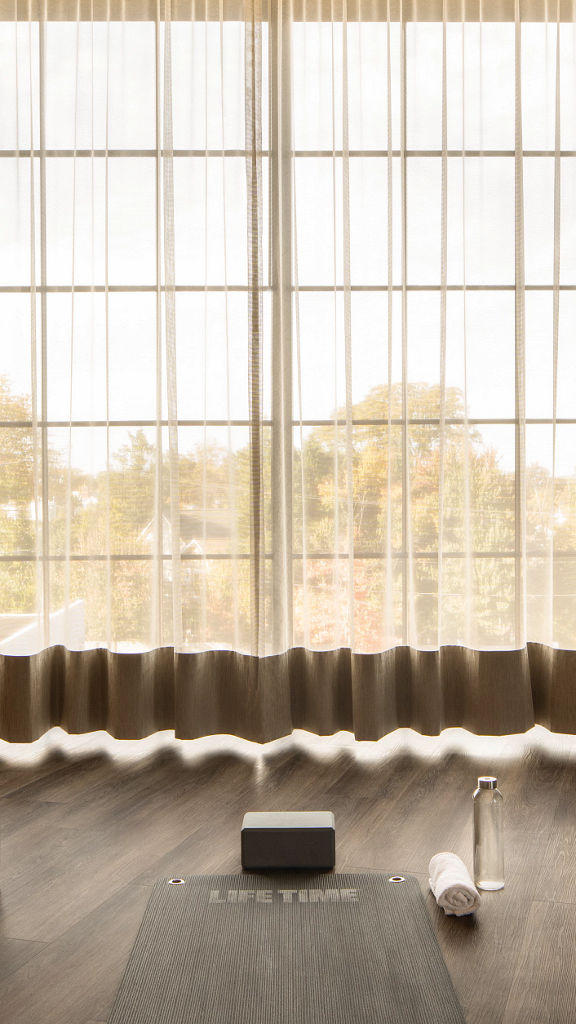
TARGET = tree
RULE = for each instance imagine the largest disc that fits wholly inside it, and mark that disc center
(345, 482)
(364, 467)
(17, 526)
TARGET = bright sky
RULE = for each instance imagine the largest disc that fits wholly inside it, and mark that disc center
(97, 66)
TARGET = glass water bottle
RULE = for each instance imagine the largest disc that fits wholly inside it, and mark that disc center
(488, 835)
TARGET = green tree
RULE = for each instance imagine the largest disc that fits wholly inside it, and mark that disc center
(369, 460)
(17, 524)
(117, 510)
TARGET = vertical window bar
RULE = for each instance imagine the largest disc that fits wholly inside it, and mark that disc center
(44, 335)
(405, 476)
(519, 359)
(389, 619)
(555, 322)
(158, 532)
(108, 496)
(170, 333)
(347, 327)
(338, 613)
(442, 369)
(253, 146)
(36, 430)
(280, 242)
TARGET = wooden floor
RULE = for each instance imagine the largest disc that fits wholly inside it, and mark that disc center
(88, 824)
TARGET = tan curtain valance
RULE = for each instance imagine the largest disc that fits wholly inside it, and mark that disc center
(225, 692)
(300, 10)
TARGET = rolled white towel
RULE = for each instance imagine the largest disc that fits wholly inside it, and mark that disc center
(452, 885)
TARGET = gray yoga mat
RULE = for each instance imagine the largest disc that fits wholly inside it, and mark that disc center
(290, 947)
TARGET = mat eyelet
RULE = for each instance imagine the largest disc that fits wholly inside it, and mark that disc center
(396, 879)
(176, 882)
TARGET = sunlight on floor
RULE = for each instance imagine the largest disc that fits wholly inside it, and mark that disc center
(57, 744)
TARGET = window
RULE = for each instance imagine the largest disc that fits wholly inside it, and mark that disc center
(287, 310)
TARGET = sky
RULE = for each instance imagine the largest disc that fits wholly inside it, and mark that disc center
(101, 92)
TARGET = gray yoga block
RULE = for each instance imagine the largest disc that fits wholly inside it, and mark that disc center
(288, 839)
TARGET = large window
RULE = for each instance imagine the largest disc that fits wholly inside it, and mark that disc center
(287, 352)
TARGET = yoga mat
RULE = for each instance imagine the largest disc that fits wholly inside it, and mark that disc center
(290, 947)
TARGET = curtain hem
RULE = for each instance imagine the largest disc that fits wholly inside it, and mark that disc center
(133, 695)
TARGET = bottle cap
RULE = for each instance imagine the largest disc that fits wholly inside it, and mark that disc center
(487, 782)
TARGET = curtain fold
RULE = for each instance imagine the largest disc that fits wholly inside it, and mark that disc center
(261, 699)
(287, 413)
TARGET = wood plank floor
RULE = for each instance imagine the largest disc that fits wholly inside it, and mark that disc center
(88, 824)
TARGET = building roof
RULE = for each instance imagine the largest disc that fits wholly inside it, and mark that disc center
(197, 526)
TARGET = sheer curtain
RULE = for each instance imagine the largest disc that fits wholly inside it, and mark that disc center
(288, 376)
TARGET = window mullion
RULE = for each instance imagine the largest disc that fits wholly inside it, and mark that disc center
(253, 145)
(158, 534)
(406, 567)
(44, 340)
(519, 355)
(280, 145)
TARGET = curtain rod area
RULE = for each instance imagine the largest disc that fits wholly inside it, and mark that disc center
(298, 10)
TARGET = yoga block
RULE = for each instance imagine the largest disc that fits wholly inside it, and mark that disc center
(288, 839)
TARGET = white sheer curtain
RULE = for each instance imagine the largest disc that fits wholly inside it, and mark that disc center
(287, 296)
(127, 287)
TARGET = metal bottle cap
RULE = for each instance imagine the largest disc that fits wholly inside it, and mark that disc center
(487, 782)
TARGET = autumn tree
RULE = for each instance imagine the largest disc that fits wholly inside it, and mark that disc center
(348, 481)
